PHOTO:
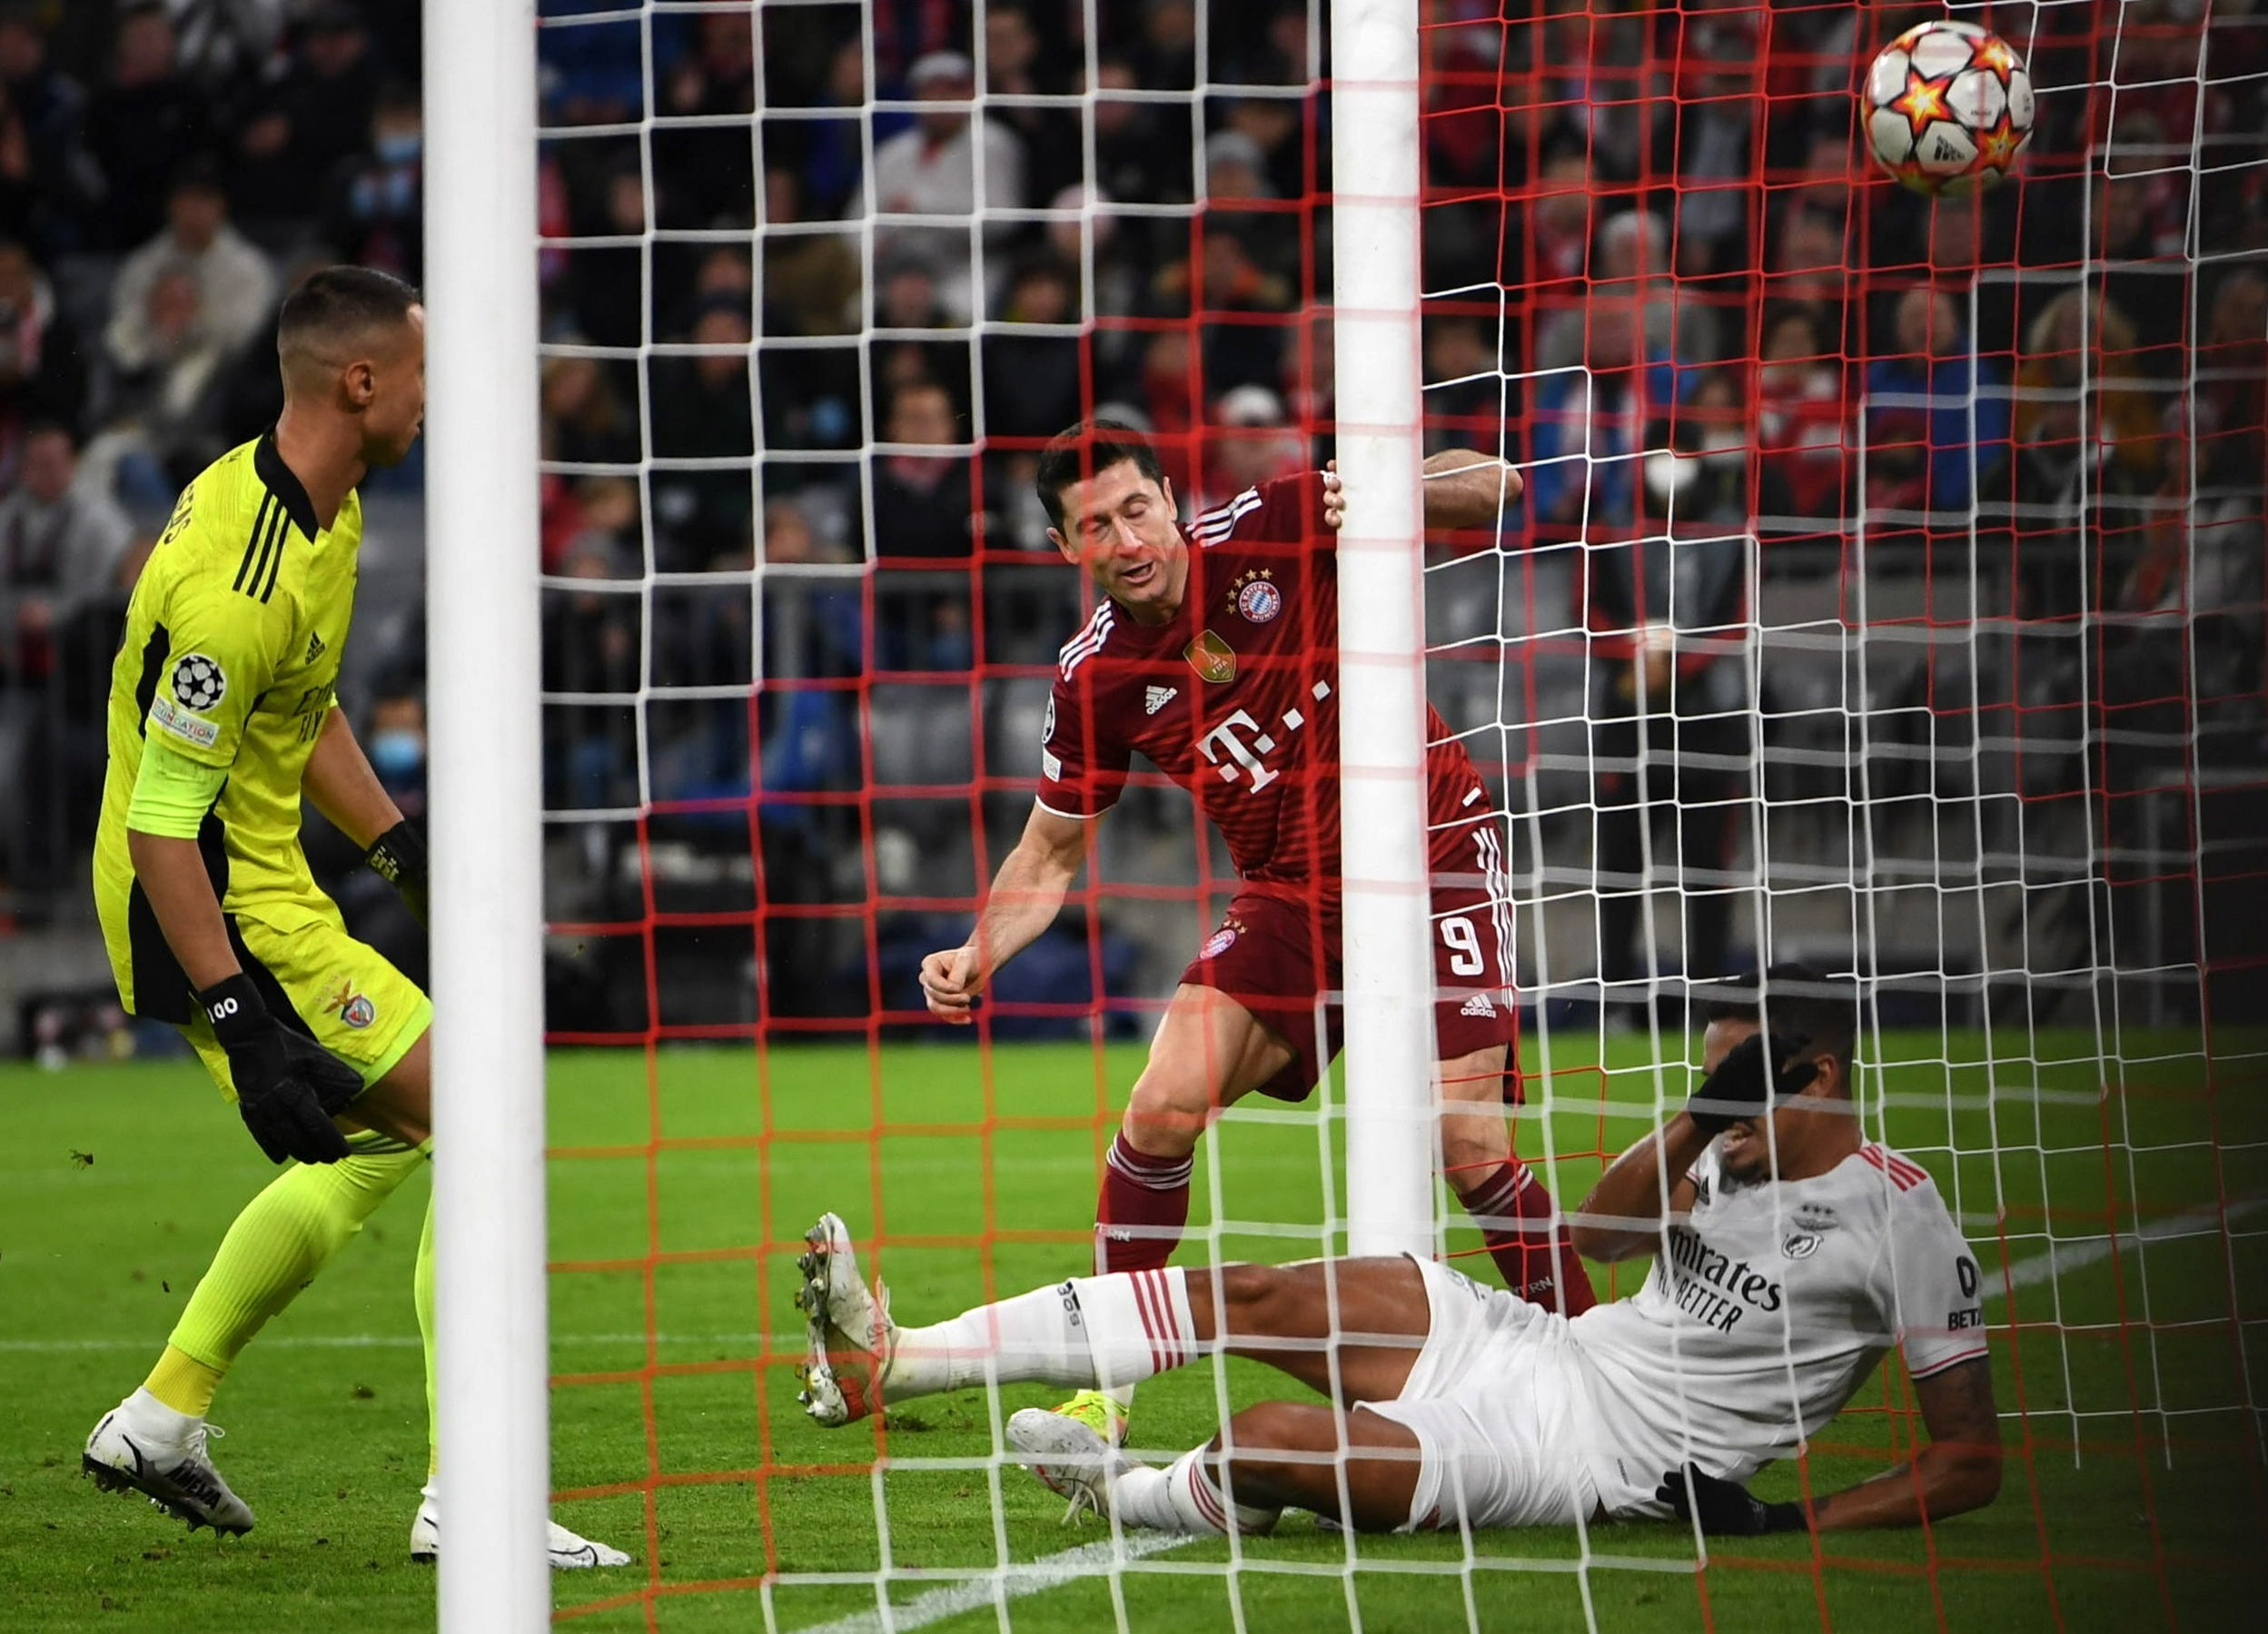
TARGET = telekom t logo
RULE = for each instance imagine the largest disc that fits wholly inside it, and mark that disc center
(1239, 751)
(1246, 754)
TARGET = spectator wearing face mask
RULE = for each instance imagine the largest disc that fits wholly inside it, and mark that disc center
(375, 213)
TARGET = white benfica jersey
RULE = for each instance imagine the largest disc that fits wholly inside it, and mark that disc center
(1771, 1306)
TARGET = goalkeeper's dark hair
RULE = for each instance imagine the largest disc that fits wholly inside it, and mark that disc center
(341, 301)
(1791, 998)
(1086, 449)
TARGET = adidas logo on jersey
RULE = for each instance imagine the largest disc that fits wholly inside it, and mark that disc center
(1158, 698)
(1478, 1005)
(314, 647)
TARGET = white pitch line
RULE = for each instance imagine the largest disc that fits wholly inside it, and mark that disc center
(1012, 1582)
(2052, 1262)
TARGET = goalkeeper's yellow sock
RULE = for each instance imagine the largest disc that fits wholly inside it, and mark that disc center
(422, 1287)
(274, 1248)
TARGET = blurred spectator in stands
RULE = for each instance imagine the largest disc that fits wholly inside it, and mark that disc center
(302, 127)
(906, 300)
(812, 278)
(1141, 155)
(1630, 261)
(1033, 381)
(1803, 416)
(593, 73)
(1557, 237)
(1170, 398)
(1117, 284)
(1465, 386)
(1311, 384)
(376, 214)
(1933, 417)
(235, 284)
(585, 421)
(1718, 132)
(1222, 284)
(2081, 352)
(43, 375)
(1807, 264)
(606, 523)
(591, 645)
(2141, 213)
(934, 168)
(60, 541)
(1167, 60)
(701, 410)
(1014, 66)
(2231, 411)
(1240, 199)
(1273, 124)
(605, 285)
(922, 493)
(1249, 442)
(140, 124)
(251, 396)
(47, 178)
(1601, 74)
(1669, 697)
(2085, 452)
(709, 166)
(1588, 422)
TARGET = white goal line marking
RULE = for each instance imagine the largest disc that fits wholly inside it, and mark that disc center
(1012, 1581)
(2055, 1259)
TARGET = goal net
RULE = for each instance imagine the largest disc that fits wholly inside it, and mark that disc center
(1956, 512)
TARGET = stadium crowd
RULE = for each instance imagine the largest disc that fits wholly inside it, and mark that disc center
(1648, 229)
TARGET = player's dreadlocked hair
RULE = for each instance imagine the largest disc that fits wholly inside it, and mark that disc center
(340, 301)
(1800, 1001)
(1081, 451)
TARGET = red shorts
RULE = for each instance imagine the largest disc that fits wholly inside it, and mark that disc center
(1277, 954)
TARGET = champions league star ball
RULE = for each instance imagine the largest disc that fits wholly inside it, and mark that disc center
(1948, 107)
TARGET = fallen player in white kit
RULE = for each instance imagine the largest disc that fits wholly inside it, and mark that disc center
(1791, 1254)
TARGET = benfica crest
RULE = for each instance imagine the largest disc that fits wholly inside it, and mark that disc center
(1212, 658)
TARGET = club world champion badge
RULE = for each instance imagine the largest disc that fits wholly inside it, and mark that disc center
(1213, 658)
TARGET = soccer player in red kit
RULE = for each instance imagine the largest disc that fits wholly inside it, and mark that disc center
(1214, 653)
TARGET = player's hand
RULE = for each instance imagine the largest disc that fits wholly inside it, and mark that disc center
(1724, 1507)
(1334, 497)
(1738, 1088)
(398, 858)
(287, 1084)
(950, 982)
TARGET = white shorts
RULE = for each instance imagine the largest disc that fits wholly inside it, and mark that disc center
(1499, 1400)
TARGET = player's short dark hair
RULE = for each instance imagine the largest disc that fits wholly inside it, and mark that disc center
(1082, 451)
(342, 301)
(1822, 1011)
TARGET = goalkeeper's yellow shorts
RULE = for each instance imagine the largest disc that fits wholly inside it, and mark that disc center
(345, 993)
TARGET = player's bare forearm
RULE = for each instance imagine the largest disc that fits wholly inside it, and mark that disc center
(1467, 489)
(1025, 896)
(1621, 1217)
(1959, 1470)
(340, 781)
(171, 874)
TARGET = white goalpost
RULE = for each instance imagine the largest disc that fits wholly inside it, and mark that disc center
(1388, 974)
(484, 647)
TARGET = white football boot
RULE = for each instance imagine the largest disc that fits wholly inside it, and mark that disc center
(1070, 1457)
(569, 1552)
(850, 1336)
(144, 1446)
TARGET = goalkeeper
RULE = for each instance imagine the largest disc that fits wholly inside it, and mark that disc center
(1791, 1255)
(222, 714)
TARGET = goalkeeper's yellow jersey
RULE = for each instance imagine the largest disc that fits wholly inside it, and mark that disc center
(230, 652)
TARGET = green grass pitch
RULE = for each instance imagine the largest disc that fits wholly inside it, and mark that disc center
(682, 1182)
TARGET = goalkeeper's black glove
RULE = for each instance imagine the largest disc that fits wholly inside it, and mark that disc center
(287, 1084)
(1737, 1088)
(398, 858)
(1724, 1507)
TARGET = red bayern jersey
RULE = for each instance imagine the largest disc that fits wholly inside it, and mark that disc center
(1235, 697)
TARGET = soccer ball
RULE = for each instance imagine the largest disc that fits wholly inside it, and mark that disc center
(1948, 107)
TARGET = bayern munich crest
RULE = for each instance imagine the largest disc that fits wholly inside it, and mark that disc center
(1218, 943)
(1256, 598)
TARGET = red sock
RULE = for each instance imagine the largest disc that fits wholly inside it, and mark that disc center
(1144, 1204)
(1513, 1211)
